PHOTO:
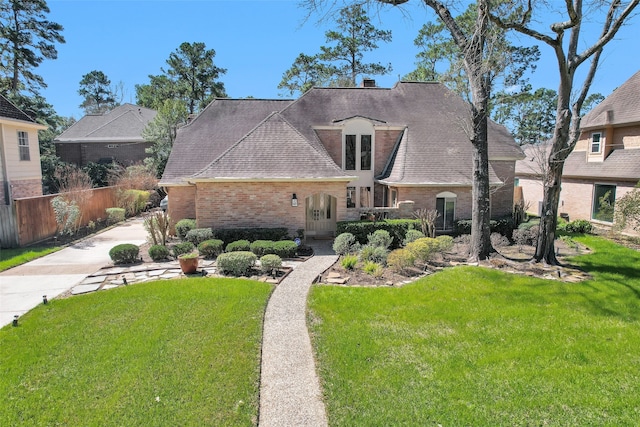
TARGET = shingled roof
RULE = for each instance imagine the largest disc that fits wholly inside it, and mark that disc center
(434, 150)
(122, 124)
(10, 111)
(621, 107)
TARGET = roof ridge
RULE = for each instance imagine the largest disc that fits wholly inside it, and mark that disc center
(110, 121)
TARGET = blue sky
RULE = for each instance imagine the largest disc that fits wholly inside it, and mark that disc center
(255, 40)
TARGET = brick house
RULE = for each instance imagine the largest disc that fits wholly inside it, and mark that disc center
(20, 171)
(604, 165)
(102, 138)
(333, 154)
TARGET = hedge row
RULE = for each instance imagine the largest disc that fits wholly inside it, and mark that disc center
(503, 226)
(397, 229)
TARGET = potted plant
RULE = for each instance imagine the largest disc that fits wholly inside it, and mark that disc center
(188, 262)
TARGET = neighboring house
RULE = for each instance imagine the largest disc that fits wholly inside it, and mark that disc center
(604, 165)
(334, 154)
(20, 172)
(103, 138)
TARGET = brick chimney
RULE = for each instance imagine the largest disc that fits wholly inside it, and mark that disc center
(368, 83)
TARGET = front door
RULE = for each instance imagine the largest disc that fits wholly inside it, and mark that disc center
(321, 215)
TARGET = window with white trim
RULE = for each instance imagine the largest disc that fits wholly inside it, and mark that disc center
(23, 145)
(596, 145)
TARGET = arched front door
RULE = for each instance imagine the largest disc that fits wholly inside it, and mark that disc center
(321, 215)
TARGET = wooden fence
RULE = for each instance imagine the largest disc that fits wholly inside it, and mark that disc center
(8, 228)
(35, 221)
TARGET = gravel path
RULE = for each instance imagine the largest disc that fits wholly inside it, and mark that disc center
(290, 392)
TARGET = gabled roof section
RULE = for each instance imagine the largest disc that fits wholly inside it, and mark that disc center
(619, 165)
(218, 127)
(10, 111)
(122, 124)
(273, 150)
(619, 108)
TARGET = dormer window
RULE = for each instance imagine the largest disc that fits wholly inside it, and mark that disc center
(596, 143)
(357, 146)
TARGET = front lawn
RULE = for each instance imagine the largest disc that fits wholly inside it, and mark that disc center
(13, 257)
(474, 346)
(180, 352)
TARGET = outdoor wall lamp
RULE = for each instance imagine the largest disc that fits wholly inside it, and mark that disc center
(294, 200)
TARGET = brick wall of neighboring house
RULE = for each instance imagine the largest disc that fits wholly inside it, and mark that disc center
(261, 204)
(81, 154)
(627, 137)
(576, 198)
(425, 198)
(332, 141)
(502, 197)
(181, 202)
(385, 141)
(26, 188)
(532, 193)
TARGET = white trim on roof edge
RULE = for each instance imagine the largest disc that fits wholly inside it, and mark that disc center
(232, 179)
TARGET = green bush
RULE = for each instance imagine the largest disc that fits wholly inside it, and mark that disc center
(270, 262)
(238, 245)
(251, 234)
(412, 236)
(526, 236)
(158, 252)
(236, 263)
(397, 229)
(380, 238)
(345, 244)
(349, 261)
(579, 226)
(445, 243)
(400, 260)
(211, 248)
(372, 268)
(424, 249)
(133, 201)
(531, 223)
(198, 235)
(376, 254)
(184, 226)
(285, 248)
(262, 247)
(182, 248)
(503, 226)
(125, 253)
(115, 215)
(561, 224)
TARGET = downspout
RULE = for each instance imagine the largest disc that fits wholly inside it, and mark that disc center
(5, 176)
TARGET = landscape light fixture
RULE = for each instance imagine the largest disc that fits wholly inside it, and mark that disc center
(44, 299)
(294, 200)
(15, 320)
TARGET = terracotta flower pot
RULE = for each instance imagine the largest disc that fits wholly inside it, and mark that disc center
(188, 265)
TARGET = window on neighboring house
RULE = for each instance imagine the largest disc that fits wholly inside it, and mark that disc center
(595, 142)
(604, 200)
(365, 197)
(365, 152)
(23, 145)
(394, 198)
(350, 152)
(446, 207)
(351, 197)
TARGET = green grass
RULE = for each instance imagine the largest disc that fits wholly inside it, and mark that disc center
(473, 346)
(183, 352)
(13, 257)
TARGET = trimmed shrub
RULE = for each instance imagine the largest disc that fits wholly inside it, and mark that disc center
(211, 248)
(125, 253)
(238, 245)
(412, 236)
(445, 243)
(270, 262)
(182, 248)
(115, 215)
(349, 261)
(397, 229)
(133, 201)
(158, 252)
(373, 269)
(526, 236)
(579, 226)
(401, 260)
(262, 247)
(198, 235)
(345, 244)
(503, 226)
(424, 249)
(285, 248)
(498, 240)
(377, 254)
(380, 238)
(251, 234)
(184, 226)
(236, 263)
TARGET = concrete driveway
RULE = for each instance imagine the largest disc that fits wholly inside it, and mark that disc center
(22, 287)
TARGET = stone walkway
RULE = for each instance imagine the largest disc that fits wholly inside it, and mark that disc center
(290, 393)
